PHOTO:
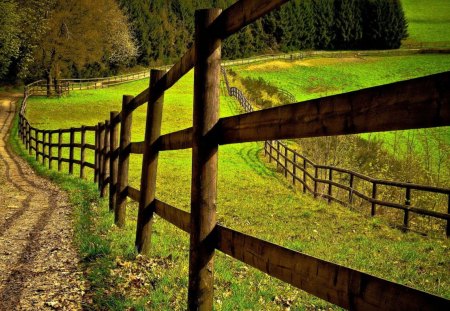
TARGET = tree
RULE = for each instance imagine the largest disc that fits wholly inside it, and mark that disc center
(82, 32)
(385, 25)
(324, 22)
(9, 35)
(348, 24)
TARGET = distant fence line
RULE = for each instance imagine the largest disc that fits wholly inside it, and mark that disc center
(64, 86)
(311, 176)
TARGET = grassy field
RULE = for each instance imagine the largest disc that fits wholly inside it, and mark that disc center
(253, 198)
(428, 21)
(313, 78)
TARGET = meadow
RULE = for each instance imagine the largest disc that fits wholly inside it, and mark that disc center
(428, 21)
(313, 78)
(253, 198)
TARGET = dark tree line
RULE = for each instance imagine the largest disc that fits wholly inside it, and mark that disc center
(165, 28)
(64, 38)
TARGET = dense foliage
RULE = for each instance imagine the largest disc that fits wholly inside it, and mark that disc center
(165, 28)
(53, 38)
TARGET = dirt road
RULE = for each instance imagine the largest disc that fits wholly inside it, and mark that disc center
(39, 267)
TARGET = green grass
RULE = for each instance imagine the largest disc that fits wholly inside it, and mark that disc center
(315, 78)
(428, 21)
(253, 198)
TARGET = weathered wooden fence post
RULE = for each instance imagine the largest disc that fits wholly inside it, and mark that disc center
(350, 192)
(71, 149)
(96, 154)
(270, 151)
(105, 165)
(149, 169)
(60, 139)
(114, 160)
(278, 153)
(124, 158)
(44, 135)
(330, 188)
(36, 145)
(406, 215)
(204, 163)
(28, 145)
(101, 156)
(83, 151)
(20, 126)
(304, 175)
(50, 150)
(285, 161)
(294, 167)
(374, 197)
(316, 176)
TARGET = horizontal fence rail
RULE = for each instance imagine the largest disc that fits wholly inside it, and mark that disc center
(300, 169)
(342, 114)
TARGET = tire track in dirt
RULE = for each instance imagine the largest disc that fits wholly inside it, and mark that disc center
(38, 264)
(26, 203)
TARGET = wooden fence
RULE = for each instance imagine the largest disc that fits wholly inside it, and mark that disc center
(372, 109)
(310, 175)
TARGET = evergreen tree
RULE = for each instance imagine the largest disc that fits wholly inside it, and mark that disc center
(348, 24)
(384, 25)
(324, 23)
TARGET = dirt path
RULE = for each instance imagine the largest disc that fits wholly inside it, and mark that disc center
(39, 267)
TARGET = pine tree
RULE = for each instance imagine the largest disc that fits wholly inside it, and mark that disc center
(385, 24)
(348, 24)
(323, 23)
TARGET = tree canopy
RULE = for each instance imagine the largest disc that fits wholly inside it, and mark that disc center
(70, 37)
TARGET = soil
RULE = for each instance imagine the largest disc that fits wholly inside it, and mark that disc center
(39, 266)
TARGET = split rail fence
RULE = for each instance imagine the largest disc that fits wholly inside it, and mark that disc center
(311, 176)
(374, 109)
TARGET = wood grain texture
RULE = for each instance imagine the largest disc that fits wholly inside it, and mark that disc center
(149, 169)
(176, 140)
(416, 103)
(114, 160)
(123, 165)
(175, 216)
(342, 286)
(204, 162)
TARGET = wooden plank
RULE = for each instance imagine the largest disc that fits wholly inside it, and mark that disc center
(101, 156)
(416, 103)
(133, 193)
(71, 150)
(176, 140)
(89, 146)
(106, 148)
(175, 216)
(204, 162)
(96, 155)
(60, 139)
(114, 159)
(178, 70)
(137, 147)
(240, 14)
(90, 165)
(345, 287)
(149, 169)
(123, 165)
(50, 151)
(83, 151)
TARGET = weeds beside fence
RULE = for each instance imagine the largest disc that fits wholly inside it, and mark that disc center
(427, 100)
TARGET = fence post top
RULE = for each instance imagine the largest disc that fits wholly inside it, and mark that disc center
(203, 12)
